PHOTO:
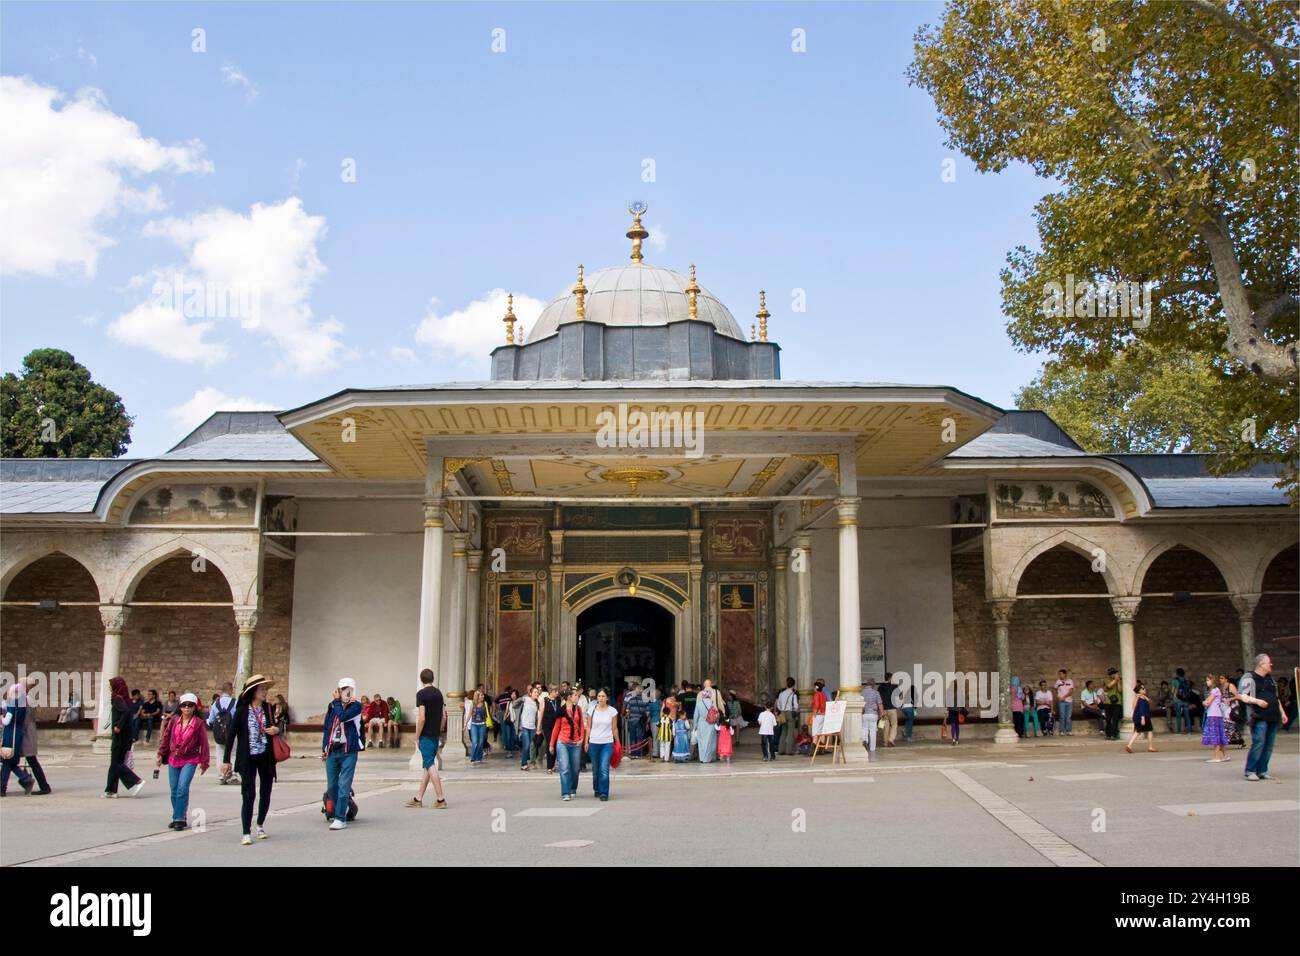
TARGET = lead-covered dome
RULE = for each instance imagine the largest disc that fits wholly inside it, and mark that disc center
(635, 295)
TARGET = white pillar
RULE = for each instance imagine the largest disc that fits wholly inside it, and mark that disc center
(803, 622)
(431, 600)
(114, 618)
(850, 633)
(475, 562)
(1001, 609)
(781, 667)
(695, 666)
(1126, 609)
(455, 656)
(1245, 605)
(246, 621)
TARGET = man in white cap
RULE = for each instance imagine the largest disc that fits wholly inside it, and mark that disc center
(340, 746)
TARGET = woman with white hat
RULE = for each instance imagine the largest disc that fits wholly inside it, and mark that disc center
(183, 746)
(250, 738)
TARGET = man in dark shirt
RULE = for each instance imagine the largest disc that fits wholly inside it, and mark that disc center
(1259, 691)
(428, 731)
(889, 730)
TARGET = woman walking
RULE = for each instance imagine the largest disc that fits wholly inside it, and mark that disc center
(955, 715)
(1141, 719)
(183, 746)
(120, 746)
(708, 715)
(1214, 733)
(478, 727)
(28, 751)
(13, 715)
(567, 735)
(249, 738)
(600, 736)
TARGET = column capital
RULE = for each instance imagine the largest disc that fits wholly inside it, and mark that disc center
(1245, 605)
(459, 544)
(114, 616)
(847, 507)
(1125, 608)
(803, 540)
(1001, 609)
(246, 618)
(475, 557)
(433, 506)
(779, 557)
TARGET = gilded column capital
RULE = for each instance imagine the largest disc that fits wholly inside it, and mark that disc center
(847, 508)
(779, 558)
(460, 544)
(433, 511)
(1125, 608)
(475, 560)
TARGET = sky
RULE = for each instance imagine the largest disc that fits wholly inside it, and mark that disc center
(356, 187)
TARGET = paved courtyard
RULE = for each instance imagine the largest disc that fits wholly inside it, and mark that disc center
(1067, 802)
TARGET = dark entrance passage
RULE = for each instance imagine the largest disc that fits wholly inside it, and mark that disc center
(624, 637)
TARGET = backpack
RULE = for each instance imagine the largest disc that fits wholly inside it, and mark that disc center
(1185, 692)
(225, 720)
(327, 805)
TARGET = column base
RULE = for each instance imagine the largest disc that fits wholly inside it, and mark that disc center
(452, 752)
(855, 755)
(1126, 727)
(1006, 735)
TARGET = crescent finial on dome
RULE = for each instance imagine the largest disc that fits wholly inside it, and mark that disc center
(509, 319)
(638, 231)
(762, 315)
(692, 294)
(580, 294)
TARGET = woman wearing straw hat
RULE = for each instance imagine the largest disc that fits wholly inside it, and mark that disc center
(250, 738)
(183, 745)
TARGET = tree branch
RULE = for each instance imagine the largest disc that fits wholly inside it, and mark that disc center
(1277, 54)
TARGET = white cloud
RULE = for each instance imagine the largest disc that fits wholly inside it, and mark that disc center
(232, 75)
(64, 168)
(162, 329)
(400, 353)
(266, 259)
(84, 54)
(658, 237)
(471, 333)
(193, 413)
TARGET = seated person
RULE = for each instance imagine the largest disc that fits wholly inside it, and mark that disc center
(803, 741)
(393, 726)
(375, 715)
(73, 711)
(1092, 706)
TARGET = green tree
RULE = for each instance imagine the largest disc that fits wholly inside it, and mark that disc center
(1170, 129)
(55, 410)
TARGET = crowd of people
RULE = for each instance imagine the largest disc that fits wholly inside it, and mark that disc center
(566, 729)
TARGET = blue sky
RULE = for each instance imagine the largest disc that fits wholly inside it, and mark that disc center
(478, 172)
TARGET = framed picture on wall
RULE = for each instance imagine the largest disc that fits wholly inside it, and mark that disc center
(872, 642)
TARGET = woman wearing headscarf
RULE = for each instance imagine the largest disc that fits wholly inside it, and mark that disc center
(121, 719)
(708, 713)
(13, 715)
(250, 739)
(183, 746)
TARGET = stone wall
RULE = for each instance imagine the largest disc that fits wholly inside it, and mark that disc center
(67, 639)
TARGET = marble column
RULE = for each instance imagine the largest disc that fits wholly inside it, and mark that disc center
(1245, 605)
(780, 600)
(850, 633)
(113, 617)
(803, 622)
(1001, 609)
(695, 667)
(473, 585)
(246, 621)
(455, 650)
(1126, 609)
(561, 664)
(431, 602)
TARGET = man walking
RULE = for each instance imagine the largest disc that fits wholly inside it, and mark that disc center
(340, 745)
(1258, 690)
(1064, 688)
(787, 703)
(220, 718)
(428, 731)
(889, 719)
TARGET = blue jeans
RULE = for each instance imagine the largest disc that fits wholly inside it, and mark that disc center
(568, 757)
(180, 778)
(340, 765)
(600, 754)
(525, 746)
(909, 718)
(1262, 736)
(1064, 711)
(508, 738)
(1182, 719)
(477, 734)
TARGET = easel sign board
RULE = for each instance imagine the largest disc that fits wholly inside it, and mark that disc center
(833, 721)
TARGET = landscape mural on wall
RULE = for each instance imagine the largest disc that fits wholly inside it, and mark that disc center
(1051, 498)
(196, 504)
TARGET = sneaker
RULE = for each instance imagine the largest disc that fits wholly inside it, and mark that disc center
(1262, 776)
(440, 805)
(182, 825)
(1252, 776)
(246, 840)
(567, 797)
(134, 791)
(414, 802)
(174, 825)
(338, 825)
(604, 798)
(42, 792)
(108, 796)
(261, 834)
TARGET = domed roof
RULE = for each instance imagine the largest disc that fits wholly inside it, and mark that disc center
(635, 294)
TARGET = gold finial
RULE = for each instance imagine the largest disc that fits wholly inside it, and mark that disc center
(753, 334)
(509, 319)
(580, 291)
(638, 231)
(762, 315)
(692, 291)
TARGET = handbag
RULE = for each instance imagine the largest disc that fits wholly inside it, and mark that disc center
(280, 748)
(712, 716)
(616, 757)
(782, 717)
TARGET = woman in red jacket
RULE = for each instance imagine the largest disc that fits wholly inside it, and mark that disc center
(183, 746)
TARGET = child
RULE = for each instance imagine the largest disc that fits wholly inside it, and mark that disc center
(664, 733)
(1141, 719)
(767, 731)
(1215, 734)
(724, 741)
(681, 739)
(803, 743)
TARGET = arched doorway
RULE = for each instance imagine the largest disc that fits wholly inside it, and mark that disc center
(624, 637)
